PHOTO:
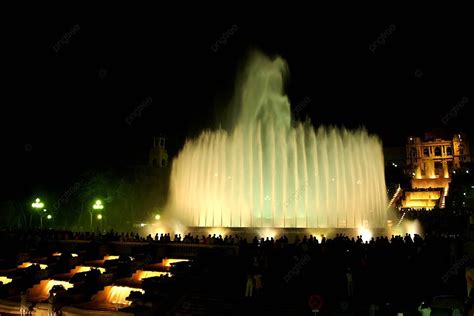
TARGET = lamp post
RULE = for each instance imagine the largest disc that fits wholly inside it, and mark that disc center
(97, 206)
(38, 205)
(49, 217)
(99, 217)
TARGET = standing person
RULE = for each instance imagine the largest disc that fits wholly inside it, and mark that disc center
(258, 284)
(249, 286)
(350, 285)
(424, 309)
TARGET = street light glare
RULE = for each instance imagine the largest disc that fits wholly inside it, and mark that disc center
(99, 216)
(157, 217)
(37, 204)
(49, 216)
(98, 205)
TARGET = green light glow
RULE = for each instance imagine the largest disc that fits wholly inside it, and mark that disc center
(37, 204)
(49, 216)
(98, 205)
(99, 216)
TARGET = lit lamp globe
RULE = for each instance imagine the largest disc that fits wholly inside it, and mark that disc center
(37, 204)
(98, 205)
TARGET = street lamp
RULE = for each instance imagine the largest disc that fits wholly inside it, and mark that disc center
(49, 216)
(157, 217)
(38, 205)
(96, 206)
(99, 217)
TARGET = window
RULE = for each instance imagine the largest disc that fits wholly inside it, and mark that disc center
(449, 151)
(450, 164)
(413, 152)
(438, 151)
(426, 152)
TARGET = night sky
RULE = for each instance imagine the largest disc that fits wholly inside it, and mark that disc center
(64, 106)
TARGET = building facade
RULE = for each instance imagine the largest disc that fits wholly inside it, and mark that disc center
(434, 158)
(432, 161)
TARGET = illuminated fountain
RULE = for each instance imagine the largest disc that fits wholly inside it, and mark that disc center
(114, 257)
(167, 262)
(4, 280)
(139, 275)
(114, 296)
(40, 292)
(79, 269)
(58, 254)
(25, 265)
(268, 172)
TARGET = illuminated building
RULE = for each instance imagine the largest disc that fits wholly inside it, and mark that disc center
(431, 162)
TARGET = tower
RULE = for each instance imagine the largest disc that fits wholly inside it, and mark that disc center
(158, 154)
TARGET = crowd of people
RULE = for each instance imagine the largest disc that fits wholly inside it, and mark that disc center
(382, 275)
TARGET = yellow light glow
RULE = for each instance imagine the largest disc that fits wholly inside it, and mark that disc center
(79, 269)
(365, 233)
(315, 235)
(58, 254)
(5, 280)
(157, 217)
(412, 227)
(29, 264)
(116, 295)
(268, 232)
(113, 257)
(40, 292)
(218, 231)
(141, 274)
(168, 261)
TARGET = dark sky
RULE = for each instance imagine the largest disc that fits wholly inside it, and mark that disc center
(65, 111)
